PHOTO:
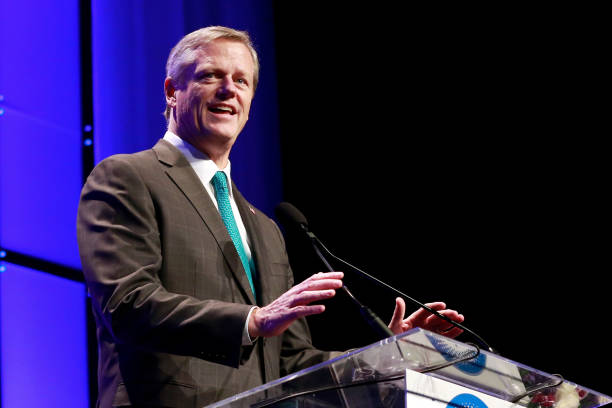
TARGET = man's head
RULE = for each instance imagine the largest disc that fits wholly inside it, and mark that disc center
(211, 77)
(184, 52)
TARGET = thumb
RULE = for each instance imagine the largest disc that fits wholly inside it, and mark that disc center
(398, 313)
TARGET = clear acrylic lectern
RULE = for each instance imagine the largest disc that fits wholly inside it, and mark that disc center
(418, 369)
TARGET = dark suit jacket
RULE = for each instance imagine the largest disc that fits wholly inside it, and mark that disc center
(169, 292)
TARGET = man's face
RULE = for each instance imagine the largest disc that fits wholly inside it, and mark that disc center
(214, 97)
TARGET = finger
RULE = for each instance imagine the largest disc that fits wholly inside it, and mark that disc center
(310, 296)
(448, 314)
(452, 333)
(436, 306)
(306, 310)
(321, 284)
(319, 281)
(418, 318)
(435, 323)
(398, 313)
(327, 275)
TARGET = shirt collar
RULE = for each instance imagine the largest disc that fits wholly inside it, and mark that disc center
(204, 167)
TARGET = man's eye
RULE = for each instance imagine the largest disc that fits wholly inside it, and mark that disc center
(242, 81)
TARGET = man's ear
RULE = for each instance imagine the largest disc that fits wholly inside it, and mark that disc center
(170, 91)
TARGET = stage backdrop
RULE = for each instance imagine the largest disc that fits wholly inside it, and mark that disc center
(61, 62)
(42, 315)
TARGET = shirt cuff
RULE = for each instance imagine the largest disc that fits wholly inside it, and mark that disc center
(246, 339)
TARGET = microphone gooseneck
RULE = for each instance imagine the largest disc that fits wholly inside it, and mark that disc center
(289, 215)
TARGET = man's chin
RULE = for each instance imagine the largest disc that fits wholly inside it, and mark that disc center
(222, 138)
(223, 133)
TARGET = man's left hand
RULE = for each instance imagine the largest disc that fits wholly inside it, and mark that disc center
(425, 320)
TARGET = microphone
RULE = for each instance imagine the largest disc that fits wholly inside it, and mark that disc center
(287, 214)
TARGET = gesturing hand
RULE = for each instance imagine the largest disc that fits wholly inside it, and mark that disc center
(422, 318)
(275, 318)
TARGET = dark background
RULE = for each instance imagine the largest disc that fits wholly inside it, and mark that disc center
(455, 158)
(456, 152)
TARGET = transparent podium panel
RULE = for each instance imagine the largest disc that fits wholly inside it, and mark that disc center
(388, 374)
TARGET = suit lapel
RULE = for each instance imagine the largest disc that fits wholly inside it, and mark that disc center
(182, 174)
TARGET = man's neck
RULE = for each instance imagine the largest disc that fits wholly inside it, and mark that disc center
(219, 154)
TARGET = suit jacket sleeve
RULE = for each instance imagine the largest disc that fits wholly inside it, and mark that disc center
(121, 255)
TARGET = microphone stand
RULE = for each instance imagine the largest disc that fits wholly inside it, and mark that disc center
(381, 329)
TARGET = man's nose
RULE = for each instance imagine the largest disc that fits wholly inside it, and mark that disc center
(227, 88)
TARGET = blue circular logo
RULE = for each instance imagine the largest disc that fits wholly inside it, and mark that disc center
(449, 351)
(466, 401)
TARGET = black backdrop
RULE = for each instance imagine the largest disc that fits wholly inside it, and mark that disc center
(449, 157)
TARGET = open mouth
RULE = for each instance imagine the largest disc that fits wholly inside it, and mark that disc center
(222, 109)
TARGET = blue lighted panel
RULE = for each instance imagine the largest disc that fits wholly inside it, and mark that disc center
(40, 159)
(43, 340)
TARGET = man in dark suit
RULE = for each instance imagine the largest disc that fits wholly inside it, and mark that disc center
(191, 287)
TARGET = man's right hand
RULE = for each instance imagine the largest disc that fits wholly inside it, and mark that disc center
(275, 318)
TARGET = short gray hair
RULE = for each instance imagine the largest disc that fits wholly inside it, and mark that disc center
(184, 52)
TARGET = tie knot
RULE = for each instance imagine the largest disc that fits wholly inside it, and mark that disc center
(219, 181)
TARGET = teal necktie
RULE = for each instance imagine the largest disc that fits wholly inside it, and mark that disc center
(219, 182)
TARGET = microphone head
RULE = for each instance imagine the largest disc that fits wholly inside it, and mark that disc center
(288, 215)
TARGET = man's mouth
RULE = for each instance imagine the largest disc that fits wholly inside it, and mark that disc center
(222, 109)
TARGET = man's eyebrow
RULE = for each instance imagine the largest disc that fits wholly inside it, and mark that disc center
(206, 69)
